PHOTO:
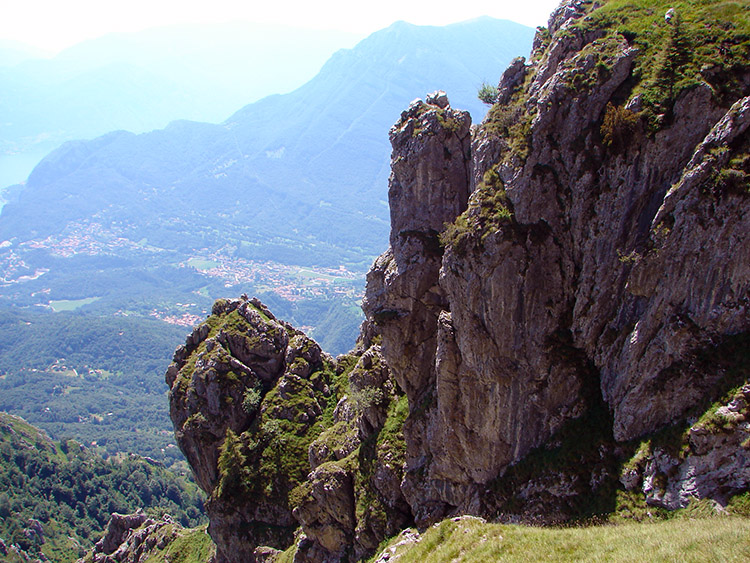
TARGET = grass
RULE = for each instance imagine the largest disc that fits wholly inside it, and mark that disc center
(286, 556)
(202, 264)
(190, 546)
(682, 539)
(71, 304)
(706, 40)
(489, 209)
(512, 122)
(307, 274)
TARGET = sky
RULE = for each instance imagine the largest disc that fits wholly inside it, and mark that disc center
(55, 24)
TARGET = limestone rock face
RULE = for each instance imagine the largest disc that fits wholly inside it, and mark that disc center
(327, 514)
(352, 499)
(290, 445)
(133, 538)
(119, 526)
(246, 392)
(211, 373)
(428, 188)
(692, 286)
(715, 464)
(567, 277)
(600, 255)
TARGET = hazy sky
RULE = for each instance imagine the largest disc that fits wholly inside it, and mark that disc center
(55, 24)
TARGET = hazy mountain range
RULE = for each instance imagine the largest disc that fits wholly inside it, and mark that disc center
(142, 81)
(286, 166)
(15, 52)
(174, 218)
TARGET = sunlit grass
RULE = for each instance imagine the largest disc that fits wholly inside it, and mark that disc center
(202, 264)
(680, 539)
(71, 304)
(190, 546)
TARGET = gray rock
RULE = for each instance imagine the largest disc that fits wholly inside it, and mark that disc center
(566, 12)
(535, 273)
(119, 528)
(614, 270)
(716, 466)
(132, 538)
(512, 78)
(428, 188)
(264, 554)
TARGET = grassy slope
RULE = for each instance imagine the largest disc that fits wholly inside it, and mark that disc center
(679, 539)
(174, 544)
(190, 546)
(706, 41)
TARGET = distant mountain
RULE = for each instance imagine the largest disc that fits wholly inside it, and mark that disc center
(287, 166)
(142, 81)
(294, 180)
(15, 52)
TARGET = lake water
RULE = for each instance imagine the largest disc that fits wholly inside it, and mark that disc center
(15, 168)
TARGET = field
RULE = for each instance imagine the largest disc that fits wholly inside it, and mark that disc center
(71, 304)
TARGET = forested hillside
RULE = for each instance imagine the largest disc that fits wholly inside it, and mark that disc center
(90, 378)
(56, 497)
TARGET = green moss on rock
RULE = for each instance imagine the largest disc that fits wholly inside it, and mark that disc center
(489, 210)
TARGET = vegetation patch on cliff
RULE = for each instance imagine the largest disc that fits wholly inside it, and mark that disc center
(731, 169)
(723, 410)
(512, 122)
(190, 546)
(270, 459)
(680, 45)
(384, 447)
(489, 209)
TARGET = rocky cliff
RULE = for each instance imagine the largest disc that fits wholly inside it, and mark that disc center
(602, 258)
(290, 444)
(561, 318)
(136, 538)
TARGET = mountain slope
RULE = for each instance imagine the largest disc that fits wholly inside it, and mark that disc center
(56, 497)
(283, 146)
(96, 380)
(296, 179)
(15, 52)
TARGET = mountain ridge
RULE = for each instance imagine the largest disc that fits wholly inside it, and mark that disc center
(141, 81)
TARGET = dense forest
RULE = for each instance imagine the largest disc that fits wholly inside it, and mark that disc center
(90, 378)
(56, 497)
